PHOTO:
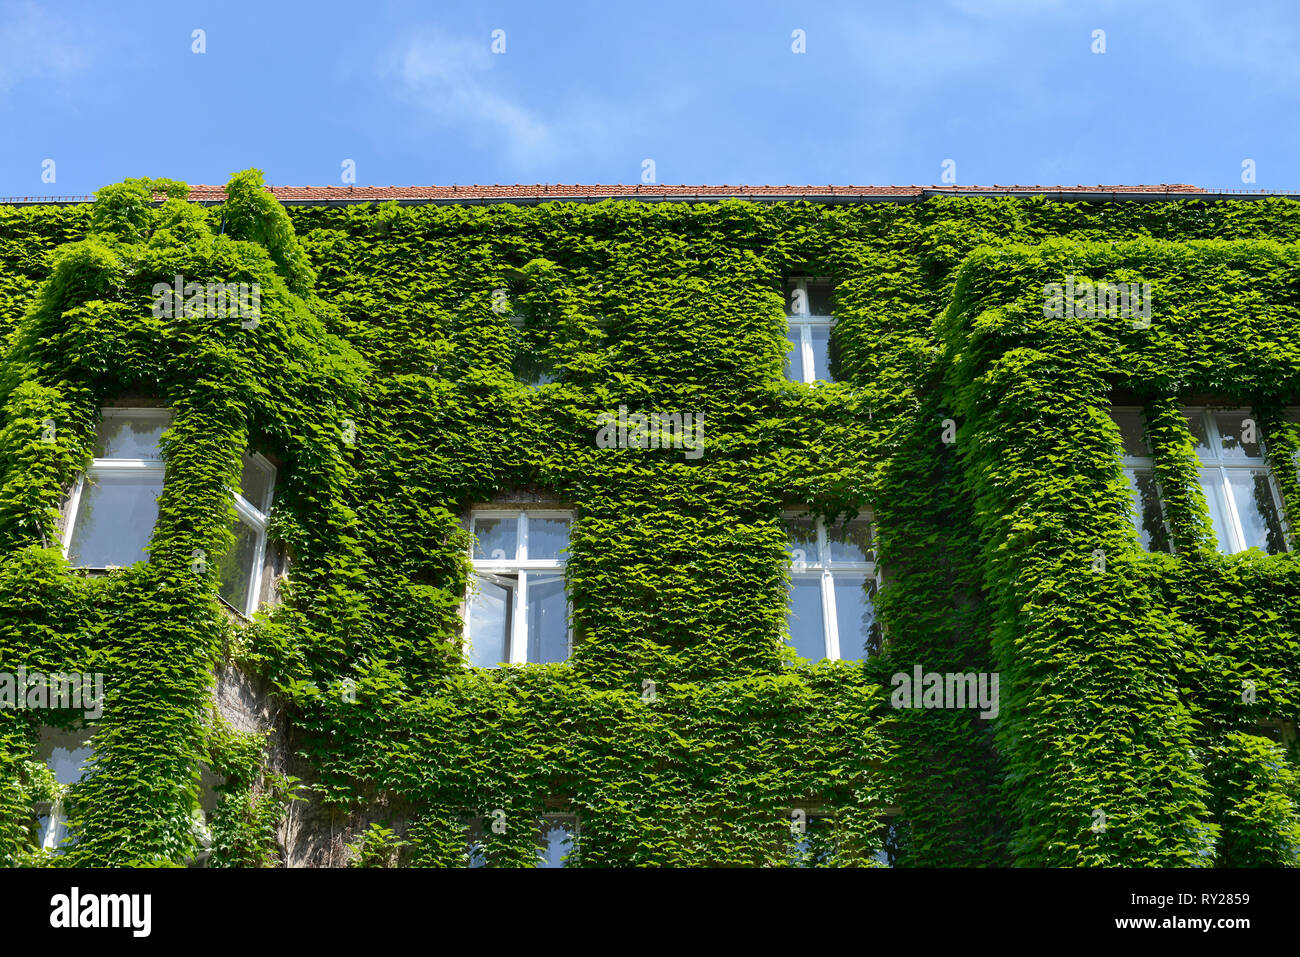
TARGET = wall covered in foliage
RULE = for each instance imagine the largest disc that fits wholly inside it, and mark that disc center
(383, 376)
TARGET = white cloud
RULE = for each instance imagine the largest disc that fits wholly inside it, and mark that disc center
(34, 45)
(455, 80)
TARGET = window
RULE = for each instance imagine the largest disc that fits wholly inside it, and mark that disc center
(518, 608)
(201, 818)
(240, 570)
(833, 579)
(113, 507)
(65, 753)
(1148, 511)
(808, 306)
(814, 839)
(1245, 507)
(530, 366)
(815, 842)
(476, 844)
(1292, 415)
(557, 836)
(890, 843)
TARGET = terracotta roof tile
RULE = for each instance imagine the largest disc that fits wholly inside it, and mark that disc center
(525, 193)
(454, 193)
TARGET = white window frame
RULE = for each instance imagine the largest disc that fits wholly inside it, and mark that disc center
(823, 568)
(258, 521)
(145, 467)
(1132, 464)
(523, 567)
(805, 322)
(245, 509)
(55, 837)
(1213, 462)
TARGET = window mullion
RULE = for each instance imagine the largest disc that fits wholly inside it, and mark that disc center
(519, 640)
(832, 636)
(809, 365)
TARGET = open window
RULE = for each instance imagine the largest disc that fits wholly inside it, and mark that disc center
(240, 570)
(833, 583)
(65, 753)
(518, 606)
(1148, 510)
(201, 821)
(808, 305)
(114, 505)
(113, 508)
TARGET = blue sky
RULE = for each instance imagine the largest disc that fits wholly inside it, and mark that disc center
(711, 91)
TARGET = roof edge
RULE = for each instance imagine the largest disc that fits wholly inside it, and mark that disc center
(545, 193)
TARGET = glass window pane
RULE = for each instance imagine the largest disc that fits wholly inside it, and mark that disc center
(235, 571)
(816, 847)
(794, 357)
(476, 845)
(1147, 516)
(1130, 430)
(1212, 486)
(821, 346)
(805, 621)
(796, 299)
(546, 537)
(115, 518)
(1196, 425)
(888, 853)
(43, 836)
(491, 612)
(64, 752)
(496, 537)
(850, 541)
(855, 616)
(256, 482)
(1234, 427)
(556, 843)
(548, 625)
(820, 297)
(131, 436)
(1257, 510)
(532, 369)
(803, 541)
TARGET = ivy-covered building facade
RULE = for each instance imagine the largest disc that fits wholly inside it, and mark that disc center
(649, 526)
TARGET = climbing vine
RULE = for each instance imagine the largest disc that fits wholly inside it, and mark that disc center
(392, 377)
